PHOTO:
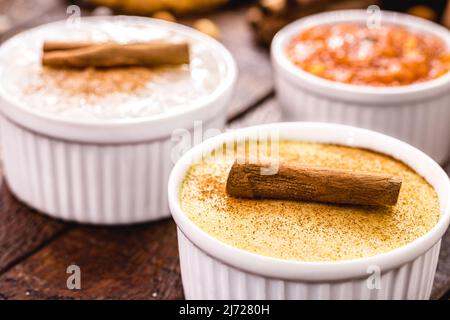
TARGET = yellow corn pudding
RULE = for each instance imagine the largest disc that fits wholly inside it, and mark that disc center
(309, 231)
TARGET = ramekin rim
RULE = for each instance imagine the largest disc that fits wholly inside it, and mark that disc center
(280, 59)
(225, 83)
(291, 269)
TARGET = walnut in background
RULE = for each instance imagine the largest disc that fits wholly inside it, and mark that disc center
(269, 16)
(446, 16)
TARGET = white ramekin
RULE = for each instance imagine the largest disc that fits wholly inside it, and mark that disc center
(111, 172)
(418, 113)
(212, 269)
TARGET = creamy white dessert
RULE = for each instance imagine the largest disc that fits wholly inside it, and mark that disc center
(106, 94)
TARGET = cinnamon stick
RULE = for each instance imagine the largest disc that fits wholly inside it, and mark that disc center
(148, 54)
(64, 45)
(299, 182)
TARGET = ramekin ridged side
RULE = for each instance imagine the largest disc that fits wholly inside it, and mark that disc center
(422, 123)
(212, 269)
(205, 277)
(417, 113)
(90, 183)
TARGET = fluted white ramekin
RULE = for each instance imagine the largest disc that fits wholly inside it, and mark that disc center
(417, 113)
(113, 172)
(212, 269)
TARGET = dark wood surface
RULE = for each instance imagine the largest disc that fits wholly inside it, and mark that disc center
(132, 262)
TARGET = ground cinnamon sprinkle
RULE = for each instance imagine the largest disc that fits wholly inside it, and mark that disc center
(92, 82)
(311, 231)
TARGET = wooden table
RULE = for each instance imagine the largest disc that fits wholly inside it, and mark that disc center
(131, 262)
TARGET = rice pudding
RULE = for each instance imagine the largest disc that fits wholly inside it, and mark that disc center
(113, 93)
(309, 231)
(86, 139)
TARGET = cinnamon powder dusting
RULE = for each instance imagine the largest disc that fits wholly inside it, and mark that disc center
(92, 82)
(308, 231)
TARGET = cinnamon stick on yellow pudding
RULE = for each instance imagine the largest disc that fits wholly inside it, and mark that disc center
(145, 54)
(309, 230)
(300, 182)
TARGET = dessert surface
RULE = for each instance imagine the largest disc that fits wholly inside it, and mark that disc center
(308, 231)
(355, 54)
(109, 93)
